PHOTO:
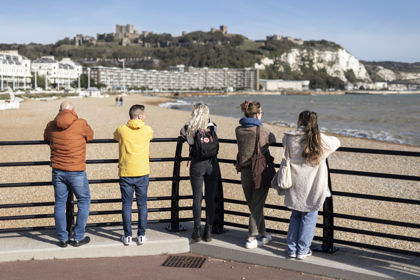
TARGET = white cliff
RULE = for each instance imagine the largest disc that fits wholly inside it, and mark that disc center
(335, 63)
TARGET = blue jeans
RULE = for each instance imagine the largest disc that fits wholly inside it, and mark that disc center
(129, 185)
(301, 231)
(77, 182)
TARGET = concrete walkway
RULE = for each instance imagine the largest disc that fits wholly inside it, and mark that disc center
(347, 263)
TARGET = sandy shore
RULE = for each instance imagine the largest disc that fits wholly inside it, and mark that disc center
(28, 123)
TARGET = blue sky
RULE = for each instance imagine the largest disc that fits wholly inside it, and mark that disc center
(371, 29)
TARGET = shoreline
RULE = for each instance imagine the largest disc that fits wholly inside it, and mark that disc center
(104, 116)
(170, 99)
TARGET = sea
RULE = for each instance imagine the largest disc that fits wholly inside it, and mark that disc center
(391, 118)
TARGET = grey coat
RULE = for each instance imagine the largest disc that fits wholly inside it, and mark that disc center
(246, 137)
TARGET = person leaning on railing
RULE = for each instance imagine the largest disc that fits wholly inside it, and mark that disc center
(308, 150)
(255, 198)
(134, 169)
(204, 167)
(67, 136)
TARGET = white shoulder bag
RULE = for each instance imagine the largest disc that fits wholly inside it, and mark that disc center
(283, 178)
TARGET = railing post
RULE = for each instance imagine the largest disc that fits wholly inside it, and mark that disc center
(175, 226)
(70, 214)
(328, 221)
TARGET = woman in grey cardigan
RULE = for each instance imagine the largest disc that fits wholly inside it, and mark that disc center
(308, 150)
(255, 198)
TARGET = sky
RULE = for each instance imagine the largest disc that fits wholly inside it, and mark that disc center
(372, 30)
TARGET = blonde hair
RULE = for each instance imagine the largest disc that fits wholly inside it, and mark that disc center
(312, 151)
(200, 118)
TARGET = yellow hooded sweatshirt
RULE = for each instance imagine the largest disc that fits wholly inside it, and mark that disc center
(134, 142)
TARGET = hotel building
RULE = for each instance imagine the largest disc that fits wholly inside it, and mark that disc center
(60, 73)
(177, 78)
(15, 70)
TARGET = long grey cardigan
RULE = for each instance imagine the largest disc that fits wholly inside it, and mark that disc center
(310, 183)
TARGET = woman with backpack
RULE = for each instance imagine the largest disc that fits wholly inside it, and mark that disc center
(246, 136)
(200, 134)
(308, 150)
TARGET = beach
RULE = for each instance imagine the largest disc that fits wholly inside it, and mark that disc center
(104, 116)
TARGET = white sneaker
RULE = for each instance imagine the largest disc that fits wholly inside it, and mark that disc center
(291, 255)
(251, 244)
(126, 240)
(266, 238)
(141, 239)
(303, 256)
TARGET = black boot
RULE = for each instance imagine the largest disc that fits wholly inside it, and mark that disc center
(196, 235)
(207, 233)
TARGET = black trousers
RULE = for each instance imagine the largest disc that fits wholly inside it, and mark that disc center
(206, 171)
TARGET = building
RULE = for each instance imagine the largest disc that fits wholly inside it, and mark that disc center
(80, 40)
(222, 28)
(177, 78)
(277, 85)
(126, 31)
(276, 37)
(15, 70)
(57, 73)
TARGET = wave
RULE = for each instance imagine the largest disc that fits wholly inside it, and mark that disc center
(359, 133)
(176, 104)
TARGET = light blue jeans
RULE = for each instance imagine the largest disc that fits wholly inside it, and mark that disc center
(129, 185)
(77, 182)
(301, 231)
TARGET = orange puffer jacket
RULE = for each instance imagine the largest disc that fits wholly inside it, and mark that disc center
(67, 136)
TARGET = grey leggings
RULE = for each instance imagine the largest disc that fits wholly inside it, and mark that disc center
(205, 171)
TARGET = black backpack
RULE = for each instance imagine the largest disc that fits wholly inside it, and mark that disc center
(206, 144)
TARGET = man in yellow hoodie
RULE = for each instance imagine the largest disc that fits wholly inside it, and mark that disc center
(134, 169)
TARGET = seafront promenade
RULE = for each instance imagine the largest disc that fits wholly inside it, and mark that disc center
(34, 246)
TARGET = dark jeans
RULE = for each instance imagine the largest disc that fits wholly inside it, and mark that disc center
(206, 171)
(129, 185)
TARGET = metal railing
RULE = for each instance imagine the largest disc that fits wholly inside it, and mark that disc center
(328, 227)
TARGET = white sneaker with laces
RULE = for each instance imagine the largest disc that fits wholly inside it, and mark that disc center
(126, 240)
(251, 244)
(303, 256)
(291, 255)
(141, 239)
(266, 238)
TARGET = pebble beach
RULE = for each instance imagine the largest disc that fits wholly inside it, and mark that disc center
(104, 116)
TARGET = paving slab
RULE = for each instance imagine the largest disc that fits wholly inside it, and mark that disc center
(346, 263)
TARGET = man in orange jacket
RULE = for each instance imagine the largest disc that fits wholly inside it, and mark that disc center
(67, 136)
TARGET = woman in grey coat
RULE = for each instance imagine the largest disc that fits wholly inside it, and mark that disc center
(255, 198)
(308, 149)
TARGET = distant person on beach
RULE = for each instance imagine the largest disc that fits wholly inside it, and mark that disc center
(200, 134)
(121, 101)
(67, 136)
(116, 100)
(246, 135)
(134, 169)
(308, 150)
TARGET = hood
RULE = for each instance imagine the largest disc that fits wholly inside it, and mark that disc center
(65, 118)
(250, 122)
(135, 124)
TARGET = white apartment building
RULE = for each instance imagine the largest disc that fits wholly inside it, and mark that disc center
(276, 85)
(60, 73)
(178, 78)
(15, 70)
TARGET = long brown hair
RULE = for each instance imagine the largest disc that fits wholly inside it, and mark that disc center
(312, 151)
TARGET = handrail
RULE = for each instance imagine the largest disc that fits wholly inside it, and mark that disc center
(175, 221)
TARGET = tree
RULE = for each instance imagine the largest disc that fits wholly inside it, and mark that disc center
(40, 80)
